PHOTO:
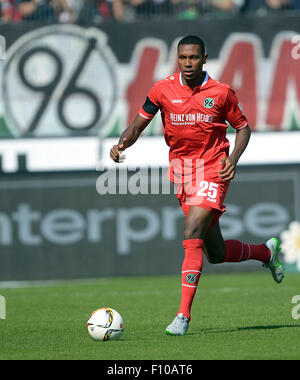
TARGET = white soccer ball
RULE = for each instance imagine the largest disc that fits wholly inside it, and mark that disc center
(105, 324)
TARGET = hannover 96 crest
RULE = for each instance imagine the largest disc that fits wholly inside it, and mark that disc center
(58, 80)
(208, 103)
(191, 278)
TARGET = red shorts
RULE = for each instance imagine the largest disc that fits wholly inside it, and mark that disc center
(207, 194)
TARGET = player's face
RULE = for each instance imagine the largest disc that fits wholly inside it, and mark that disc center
(190, 62)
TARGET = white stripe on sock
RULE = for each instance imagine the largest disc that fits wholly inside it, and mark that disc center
(249, 252)
(189, 286)
(191, 270)
(242, 251)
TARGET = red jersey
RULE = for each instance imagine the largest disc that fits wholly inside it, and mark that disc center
(195, 121)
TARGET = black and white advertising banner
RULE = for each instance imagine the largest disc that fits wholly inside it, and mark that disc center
(70, 80)
(65, 225)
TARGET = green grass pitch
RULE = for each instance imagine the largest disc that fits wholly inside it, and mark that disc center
(234, 316)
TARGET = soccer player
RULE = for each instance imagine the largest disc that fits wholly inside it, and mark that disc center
(195, 110)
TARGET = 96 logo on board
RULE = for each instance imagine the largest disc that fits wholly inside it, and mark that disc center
(58, 81)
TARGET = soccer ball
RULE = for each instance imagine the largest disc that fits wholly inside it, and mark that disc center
(105, 324)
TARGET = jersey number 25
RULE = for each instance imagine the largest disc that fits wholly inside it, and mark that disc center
(209, 189)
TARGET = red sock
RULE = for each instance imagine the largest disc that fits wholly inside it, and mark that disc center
(237, 251)
(191, 272)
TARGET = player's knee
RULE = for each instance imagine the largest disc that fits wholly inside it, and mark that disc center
(191, 232)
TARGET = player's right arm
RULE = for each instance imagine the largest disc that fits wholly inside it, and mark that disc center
(142, 119)
(129, 137)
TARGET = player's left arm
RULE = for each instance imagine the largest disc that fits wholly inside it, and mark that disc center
(234, 114)
(241, 141)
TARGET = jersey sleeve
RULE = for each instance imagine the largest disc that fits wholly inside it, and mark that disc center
(233, 112)
(151, 105)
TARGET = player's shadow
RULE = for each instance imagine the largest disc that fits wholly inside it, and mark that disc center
(269, 327)
(216, 331)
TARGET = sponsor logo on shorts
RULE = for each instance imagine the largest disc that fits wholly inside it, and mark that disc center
(211, 200)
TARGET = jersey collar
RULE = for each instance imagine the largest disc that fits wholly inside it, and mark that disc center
(203, 83)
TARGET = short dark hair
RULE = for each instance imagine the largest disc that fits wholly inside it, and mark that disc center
(193, 40)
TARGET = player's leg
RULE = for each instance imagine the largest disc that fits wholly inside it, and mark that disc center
(219, 251)
(197, 222)
(214, 244)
